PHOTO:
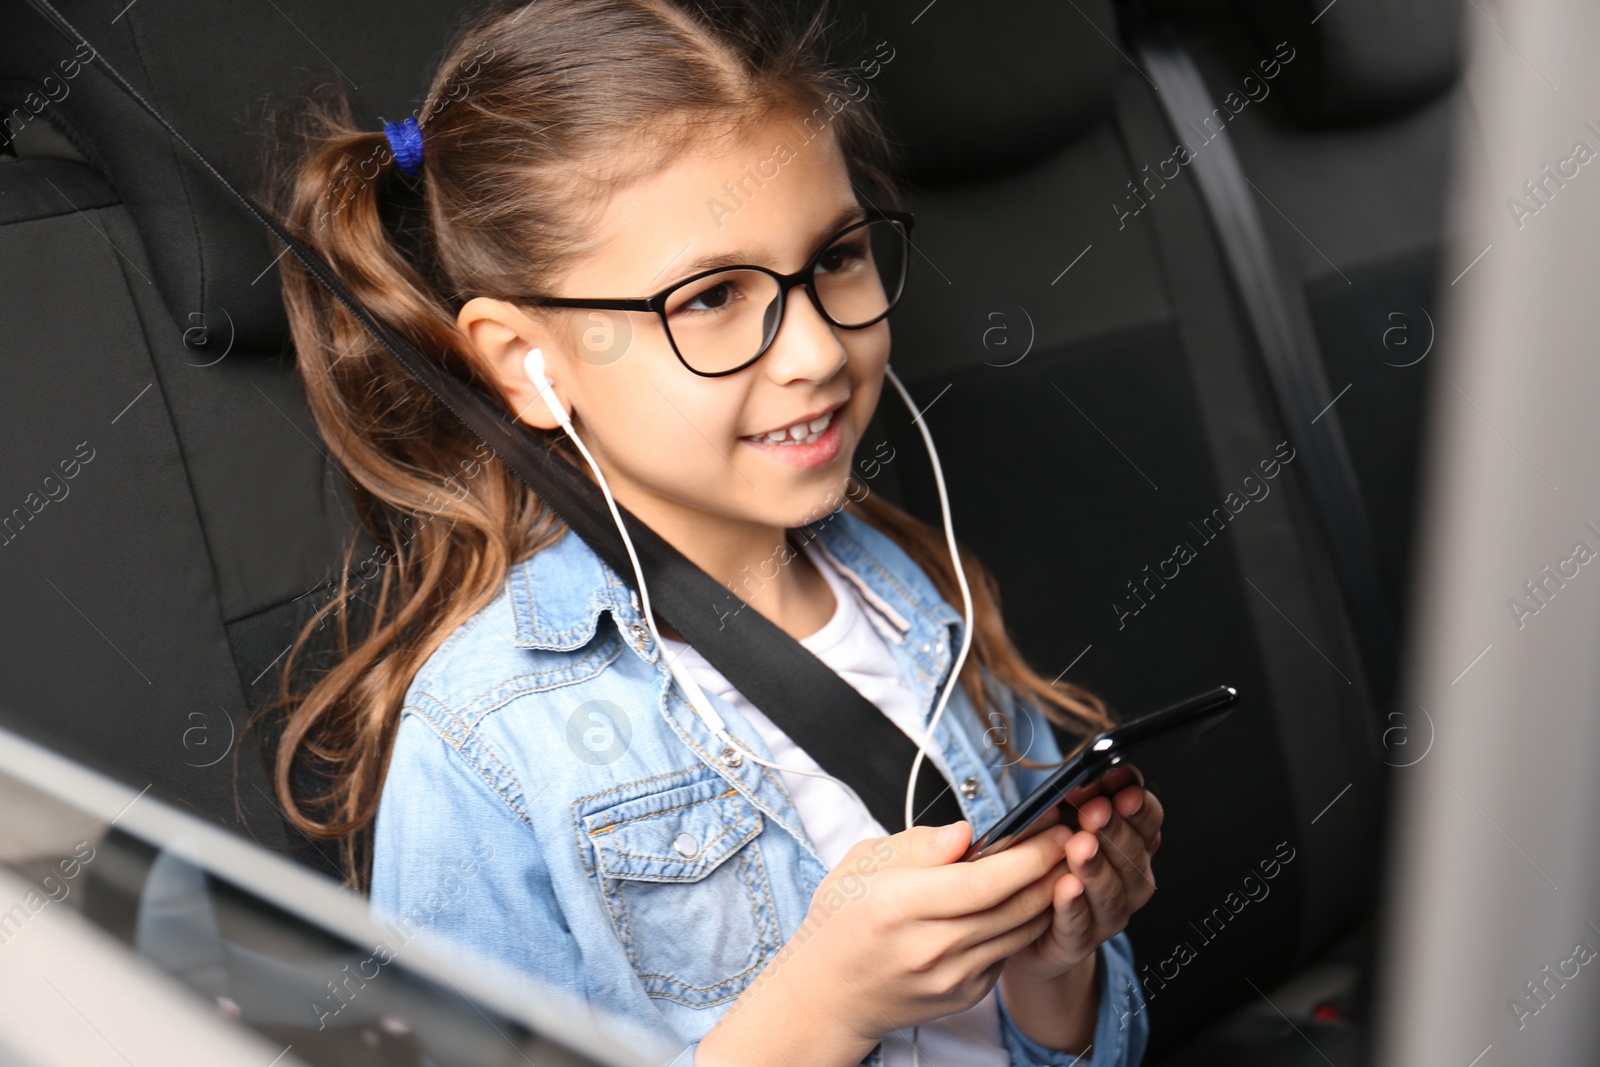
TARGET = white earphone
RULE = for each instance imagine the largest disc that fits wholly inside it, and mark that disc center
(533, 363)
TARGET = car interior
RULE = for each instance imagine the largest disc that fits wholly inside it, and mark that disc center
(298, 950)
(1172, 289)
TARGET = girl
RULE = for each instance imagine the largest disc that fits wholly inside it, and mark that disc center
(504, 756)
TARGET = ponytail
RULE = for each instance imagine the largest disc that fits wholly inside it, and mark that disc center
(446, 519)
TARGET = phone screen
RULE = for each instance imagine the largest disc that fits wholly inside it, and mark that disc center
(1079, 779)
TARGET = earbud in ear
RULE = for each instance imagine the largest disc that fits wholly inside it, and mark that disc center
(533, 363)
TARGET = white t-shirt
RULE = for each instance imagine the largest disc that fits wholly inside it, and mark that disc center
(849, 643)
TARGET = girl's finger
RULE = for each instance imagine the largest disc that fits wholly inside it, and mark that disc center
(1021, 908)
(1142, 811)
(1072, 908)
(966, 888)
(1006, 944)
(1094, 812)
(1127, 852)
(1105, 890)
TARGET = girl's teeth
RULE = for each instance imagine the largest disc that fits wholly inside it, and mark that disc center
(800, 433)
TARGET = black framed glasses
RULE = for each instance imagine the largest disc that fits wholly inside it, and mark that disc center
(724, 319)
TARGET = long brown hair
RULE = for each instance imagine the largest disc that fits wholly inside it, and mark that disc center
(524, 123)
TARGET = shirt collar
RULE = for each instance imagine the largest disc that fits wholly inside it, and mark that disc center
(558, 593)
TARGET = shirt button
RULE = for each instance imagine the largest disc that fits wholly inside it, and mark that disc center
(731, 757)
(642, 632)
(969, 788)
(685, 844)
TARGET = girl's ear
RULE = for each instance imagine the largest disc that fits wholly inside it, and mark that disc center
(502, 335)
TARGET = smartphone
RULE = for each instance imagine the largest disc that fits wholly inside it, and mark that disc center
(1076, 780)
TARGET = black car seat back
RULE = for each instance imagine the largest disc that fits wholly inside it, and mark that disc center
(1099, 388)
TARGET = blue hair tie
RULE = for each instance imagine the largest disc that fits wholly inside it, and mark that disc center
(406, 140)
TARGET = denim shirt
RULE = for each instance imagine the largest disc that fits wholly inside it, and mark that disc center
(552, 801)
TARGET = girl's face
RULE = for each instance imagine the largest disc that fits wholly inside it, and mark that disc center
(677, 447)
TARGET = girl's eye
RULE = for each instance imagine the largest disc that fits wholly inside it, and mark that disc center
(719, 295)
(716, 295)
(848, 253)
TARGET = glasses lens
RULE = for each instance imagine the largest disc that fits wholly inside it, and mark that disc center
(859, 277)
(721, 321)
(718, 322)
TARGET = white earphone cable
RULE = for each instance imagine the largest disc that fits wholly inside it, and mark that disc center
(966, 630)
(534, 363)
(961, 580)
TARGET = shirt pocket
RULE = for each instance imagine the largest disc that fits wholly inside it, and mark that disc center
(682, 876)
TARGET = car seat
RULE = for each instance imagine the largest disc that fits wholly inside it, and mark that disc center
(1077, 327)
(1094, 382)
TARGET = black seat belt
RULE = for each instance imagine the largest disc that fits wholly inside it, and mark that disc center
(849, 736)
(1289, 352)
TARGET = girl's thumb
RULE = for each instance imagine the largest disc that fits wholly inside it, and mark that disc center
(953, 834)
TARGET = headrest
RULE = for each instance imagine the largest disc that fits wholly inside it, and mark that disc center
(1354, 60)
(209, 258)
(972, 90)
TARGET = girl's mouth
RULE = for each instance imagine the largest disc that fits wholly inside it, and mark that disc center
(806, 445)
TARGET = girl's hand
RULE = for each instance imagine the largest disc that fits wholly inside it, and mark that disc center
(1103, 876)
(900, 933)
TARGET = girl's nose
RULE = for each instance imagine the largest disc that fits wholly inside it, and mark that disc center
(806, 346)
